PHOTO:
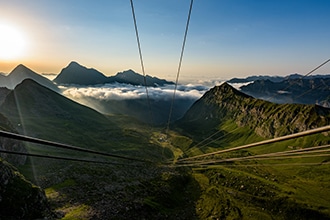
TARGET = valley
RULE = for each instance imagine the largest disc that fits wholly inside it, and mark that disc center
(164, 174)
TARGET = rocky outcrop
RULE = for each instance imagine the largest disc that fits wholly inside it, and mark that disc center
(20, 199)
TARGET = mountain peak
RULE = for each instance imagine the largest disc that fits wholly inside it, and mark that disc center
(21, 72)
(225, 91)
(21, 68)
(74, 64)
(75, 73)
(128, 73)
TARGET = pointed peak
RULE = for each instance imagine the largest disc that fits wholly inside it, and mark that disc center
(75, 66)
(74, 63)
(227, 90)
(21, 68)
(226, 87)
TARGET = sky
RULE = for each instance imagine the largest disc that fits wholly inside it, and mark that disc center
(226, 38)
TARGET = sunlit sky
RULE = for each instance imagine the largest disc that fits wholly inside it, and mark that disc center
(226, 38)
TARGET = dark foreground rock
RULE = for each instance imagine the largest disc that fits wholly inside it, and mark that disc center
(20, 199)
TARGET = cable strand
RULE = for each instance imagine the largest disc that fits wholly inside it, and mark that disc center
(179, 66)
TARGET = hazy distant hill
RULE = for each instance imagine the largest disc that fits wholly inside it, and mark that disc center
(224, 103)
(20, 73)
(75, 73)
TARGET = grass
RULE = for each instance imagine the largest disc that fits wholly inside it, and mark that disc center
(76, 212)
(262, 191)
(251, 192)
(270, 193)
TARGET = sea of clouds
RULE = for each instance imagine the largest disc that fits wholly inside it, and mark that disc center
(119, 91)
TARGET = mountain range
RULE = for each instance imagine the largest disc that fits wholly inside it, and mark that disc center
(294, 76)
(161, 188)
(77, 74)
(304, 91)
(291, 89)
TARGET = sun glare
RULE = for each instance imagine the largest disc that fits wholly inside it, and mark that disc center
(12, 42)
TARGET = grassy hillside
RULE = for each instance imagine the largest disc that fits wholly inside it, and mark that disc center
(76, 190)
(163, 188)
(286, 188)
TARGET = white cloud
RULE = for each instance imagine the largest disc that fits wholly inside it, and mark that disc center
(239, 85)
(117, 91)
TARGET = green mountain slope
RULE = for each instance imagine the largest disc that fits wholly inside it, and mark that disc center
(286, 188)
(254, 189)
(224, 103)
(37, 111)
(76, 190)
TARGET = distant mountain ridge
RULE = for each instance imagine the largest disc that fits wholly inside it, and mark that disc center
(75, 73)
(20, 73)
(224, 103)
(295, 88)
(275, 78)
(303, 91)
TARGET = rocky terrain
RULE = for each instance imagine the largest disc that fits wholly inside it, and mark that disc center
(19, 198)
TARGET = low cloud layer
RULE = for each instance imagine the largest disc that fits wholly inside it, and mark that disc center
(119, 91)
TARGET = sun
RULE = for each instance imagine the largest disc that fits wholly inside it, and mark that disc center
(12, 42)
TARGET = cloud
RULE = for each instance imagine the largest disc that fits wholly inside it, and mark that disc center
(118, 91)
(49, 76)
(239, 85)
